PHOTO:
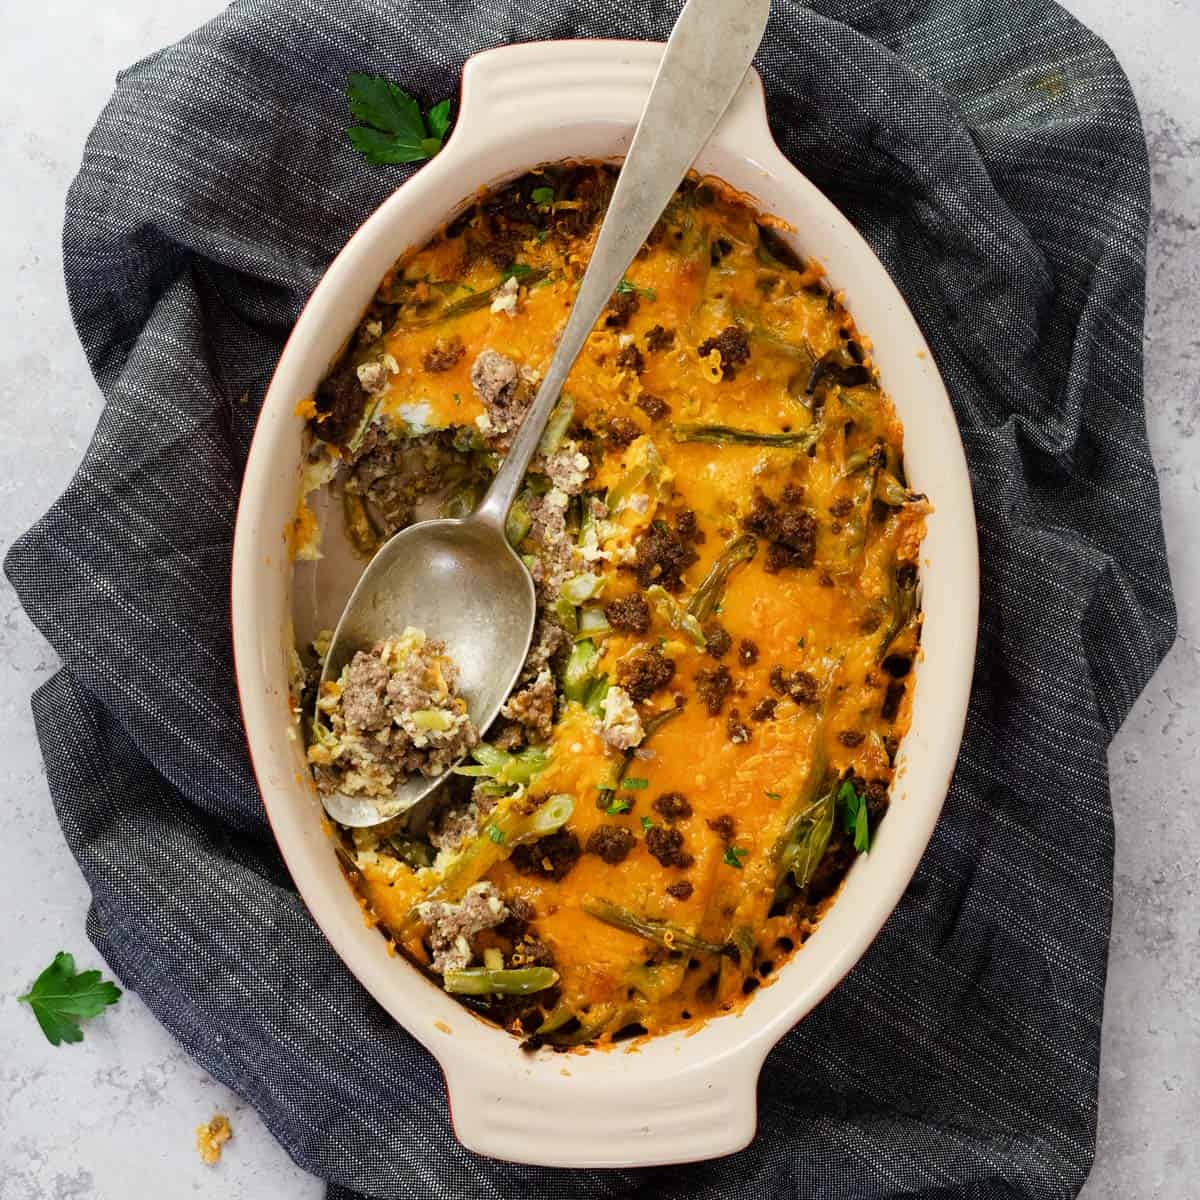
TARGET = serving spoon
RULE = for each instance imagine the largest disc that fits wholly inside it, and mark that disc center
(459, 579)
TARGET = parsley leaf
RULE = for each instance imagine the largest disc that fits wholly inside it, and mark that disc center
(733, 856)
(393, 129)
(772, 795)
(515, 271)
(542, 196)
(497, 835)
(61, 998)
(617, 807)
(634, 785)
(625, 286)
(438, 119)
(854, 816)
(647, 824)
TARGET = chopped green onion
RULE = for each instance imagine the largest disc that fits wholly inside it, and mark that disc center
(635, 785)
(733, 856)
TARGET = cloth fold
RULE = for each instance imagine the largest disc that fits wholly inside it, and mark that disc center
(993, 157)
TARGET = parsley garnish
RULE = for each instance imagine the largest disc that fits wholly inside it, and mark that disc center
(772, 795)
(733, 856)
(647, 824)
(854, 816)
(799, 643)
(625, 286)
(617, 807)
(497, 835)
(61, 998)
(515, 271)
(393, 129)
(543, 196)
(634, 785)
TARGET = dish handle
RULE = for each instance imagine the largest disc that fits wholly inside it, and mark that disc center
(530, 89)
(605, 1109)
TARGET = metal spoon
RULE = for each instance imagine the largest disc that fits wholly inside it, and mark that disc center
(460, 580)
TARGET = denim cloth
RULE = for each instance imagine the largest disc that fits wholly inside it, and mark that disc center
(993, 157)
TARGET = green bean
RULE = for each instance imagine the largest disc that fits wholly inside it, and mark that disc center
(902, 600)
(648, 469)
(557, 426)
(483, 981)
(674, 614)
(890, 491)
(662, 933)
(727, 435)
(593, 699)
(840, 367)
(807, 839)
(504, 766)
(651, 725)
(708, 595)
(800, 350)
(462, 500)
(518, 523)
(578, 676)
(415, 853)
(556, 1018)
(471, 303)
(359, 526)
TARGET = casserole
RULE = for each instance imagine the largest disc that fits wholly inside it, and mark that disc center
(679, 1097)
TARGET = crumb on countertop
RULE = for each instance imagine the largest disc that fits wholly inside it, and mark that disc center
(211, 1136)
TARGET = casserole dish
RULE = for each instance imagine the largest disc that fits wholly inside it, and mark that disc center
(680, 1096)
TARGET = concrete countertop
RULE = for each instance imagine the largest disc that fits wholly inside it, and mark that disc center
(114, 1116)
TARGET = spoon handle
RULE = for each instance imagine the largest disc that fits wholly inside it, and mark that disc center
(707, 56)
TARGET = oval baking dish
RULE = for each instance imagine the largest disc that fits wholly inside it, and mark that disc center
(684, 1095)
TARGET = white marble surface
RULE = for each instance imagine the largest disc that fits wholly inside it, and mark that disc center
(114, 1117)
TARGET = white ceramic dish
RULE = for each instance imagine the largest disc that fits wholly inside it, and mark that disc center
(678, 1097)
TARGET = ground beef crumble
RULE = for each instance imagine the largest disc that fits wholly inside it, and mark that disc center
(747, 652)
(738, 731)
(622, 431)
(655, 407)
(790, 530)
(453, 926)
(532, 707)
(667, 846)
(724, 827)
(645, 671)
(620, 308)
(629, 358)
(340, 401)
(714, 685)
(682, 890)
(675, 806)
(734, 347)
(505, 391)
(551, 857)
(630, 614)
(611, 843)
(717, 641)
(658, 338)
(799, 685)
(764, 710)
(663, 553)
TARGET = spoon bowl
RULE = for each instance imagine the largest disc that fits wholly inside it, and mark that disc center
(461, 582)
